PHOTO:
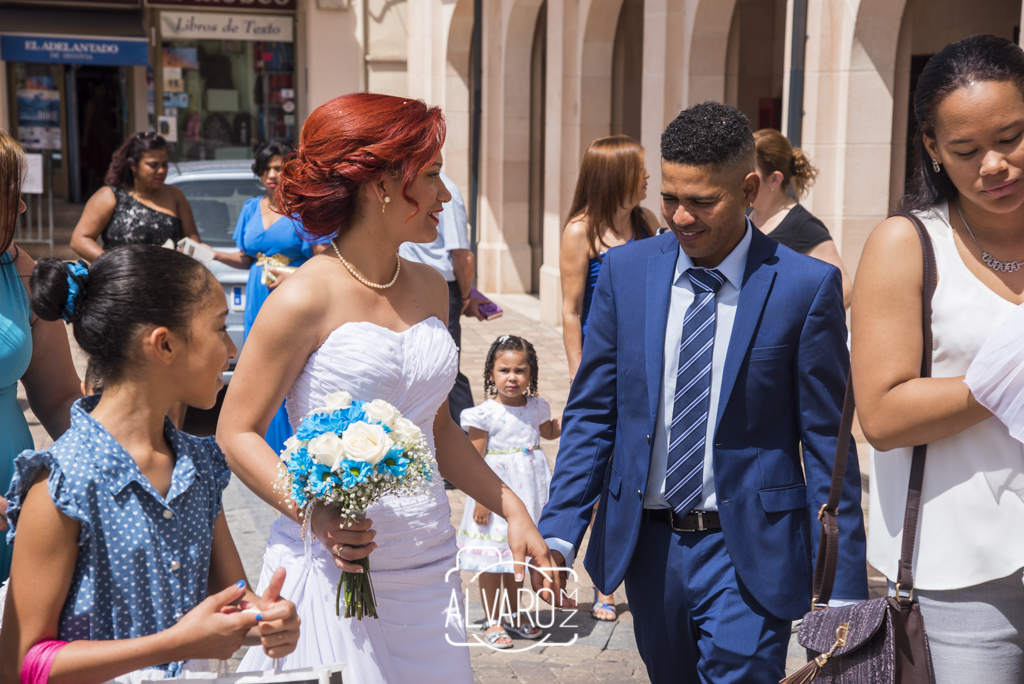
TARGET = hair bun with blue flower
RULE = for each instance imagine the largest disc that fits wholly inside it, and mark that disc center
(78, 278)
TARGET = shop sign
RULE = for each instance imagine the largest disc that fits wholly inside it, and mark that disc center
(278, 5)
(84, 3)
(207, 26)
(73, 50)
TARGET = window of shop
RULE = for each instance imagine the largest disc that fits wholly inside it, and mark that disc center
(222, 97)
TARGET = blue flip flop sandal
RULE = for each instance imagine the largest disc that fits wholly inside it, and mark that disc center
(602, 606)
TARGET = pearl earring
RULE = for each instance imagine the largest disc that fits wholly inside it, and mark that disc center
(384, 205)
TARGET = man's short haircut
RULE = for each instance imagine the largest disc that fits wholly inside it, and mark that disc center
(709, 134)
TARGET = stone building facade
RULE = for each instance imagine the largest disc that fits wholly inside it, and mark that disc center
(555, 74)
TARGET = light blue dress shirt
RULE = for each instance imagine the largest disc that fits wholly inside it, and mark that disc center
(732, 267)
(451, 234)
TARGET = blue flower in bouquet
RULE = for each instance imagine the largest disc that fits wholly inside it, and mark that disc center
(354, 472)
(314, 425)
(299, 495)
(322, 481)
(342, 418)
(300, 465)
(394, 463)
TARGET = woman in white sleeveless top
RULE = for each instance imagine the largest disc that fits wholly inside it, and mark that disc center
(359, 318)
(969, 192)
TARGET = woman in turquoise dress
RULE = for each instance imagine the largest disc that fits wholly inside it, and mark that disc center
(34, 351)
(269, 245)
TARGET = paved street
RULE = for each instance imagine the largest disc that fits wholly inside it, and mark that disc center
(601, 651)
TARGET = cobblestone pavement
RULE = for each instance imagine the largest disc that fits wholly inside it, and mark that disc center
(602, 651)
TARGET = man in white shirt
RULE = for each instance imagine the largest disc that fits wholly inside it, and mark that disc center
(450, 254)
(714, 381)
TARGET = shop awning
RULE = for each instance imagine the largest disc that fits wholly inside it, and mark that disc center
(60, 36)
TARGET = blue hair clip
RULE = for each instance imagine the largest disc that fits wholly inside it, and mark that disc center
(78, 276)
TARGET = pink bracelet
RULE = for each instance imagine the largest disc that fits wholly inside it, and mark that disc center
(35, 669)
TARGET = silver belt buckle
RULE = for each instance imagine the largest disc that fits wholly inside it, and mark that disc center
(676, 517)
(700, 522)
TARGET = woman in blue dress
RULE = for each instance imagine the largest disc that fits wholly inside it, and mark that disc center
(605, 213)
(34, 351)
(270, 246)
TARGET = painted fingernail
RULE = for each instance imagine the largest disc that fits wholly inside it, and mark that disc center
(259, 617)
(519, 577)
(240, 584)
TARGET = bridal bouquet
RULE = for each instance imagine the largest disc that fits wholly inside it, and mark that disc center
(350, 454)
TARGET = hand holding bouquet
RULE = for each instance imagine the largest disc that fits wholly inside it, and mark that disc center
(350, 454)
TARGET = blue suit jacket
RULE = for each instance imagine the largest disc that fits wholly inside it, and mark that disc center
(782, 387)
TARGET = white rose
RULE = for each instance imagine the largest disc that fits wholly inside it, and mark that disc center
(327, 449)
(382, 412)
(291, 446)
(406, 430)
(366, 443)
(335, 401)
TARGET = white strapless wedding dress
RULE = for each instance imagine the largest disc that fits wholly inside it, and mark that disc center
(414, 371)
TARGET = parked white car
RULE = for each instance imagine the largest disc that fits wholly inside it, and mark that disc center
(216, 191)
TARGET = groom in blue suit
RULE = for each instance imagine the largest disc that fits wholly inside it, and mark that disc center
(705, 417)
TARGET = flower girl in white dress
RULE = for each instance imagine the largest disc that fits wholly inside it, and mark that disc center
(506, 429)
(356, 317)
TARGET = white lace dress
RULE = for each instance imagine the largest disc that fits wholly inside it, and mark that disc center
(514, 453)
(409, 642)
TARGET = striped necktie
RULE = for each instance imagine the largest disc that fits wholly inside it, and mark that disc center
(684, 478)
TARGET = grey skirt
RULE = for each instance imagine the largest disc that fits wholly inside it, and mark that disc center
(976, 633)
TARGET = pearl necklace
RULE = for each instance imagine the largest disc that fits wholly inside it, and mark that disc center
(990, 261)
(364, 281)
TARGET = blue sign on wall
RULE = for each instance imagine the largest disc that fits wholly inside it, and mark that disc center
(74, 50)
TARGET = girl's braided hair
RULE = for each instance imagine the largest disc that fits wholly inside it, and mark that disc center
(510, 343)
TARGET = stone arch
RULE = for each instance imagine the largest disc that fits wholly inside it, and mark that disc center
(709, 45)
(600, 19)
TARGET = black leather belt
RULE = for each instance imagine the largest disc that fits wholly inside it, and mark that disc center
(694, 521)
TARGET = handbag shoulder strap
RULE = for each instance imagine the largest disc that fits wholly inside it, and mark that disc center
(905, 574)
(828, 546)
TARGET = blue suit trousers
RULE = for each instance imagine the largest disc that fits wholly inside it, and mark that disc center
(695, 622)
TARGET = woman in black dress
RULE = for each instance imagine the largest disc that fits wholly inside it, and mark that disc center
(135, 206)
(786, 174)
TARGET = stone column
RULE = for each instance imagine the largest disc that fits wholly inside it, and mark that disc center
(848, 127)
(504, 251)
(561, 150)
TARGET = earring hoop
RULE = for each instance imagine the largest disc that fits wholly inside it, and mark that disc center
(935, 165)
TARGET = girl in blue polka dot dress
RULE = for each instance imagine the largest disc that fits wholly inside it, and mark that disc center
(506, 429)
(122, 557)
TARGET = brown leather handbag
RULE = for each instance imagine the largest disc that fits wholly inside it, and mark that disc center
(881, 641)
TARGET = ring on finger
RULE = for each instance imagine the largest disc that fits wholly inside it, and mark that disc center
(339, 549)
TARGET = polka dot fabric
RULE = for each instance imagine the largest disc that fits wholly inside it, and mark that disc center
(143, 560)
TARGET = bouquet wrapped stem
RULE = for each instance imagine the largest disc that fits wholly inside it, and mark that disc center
(358, 589)
(349, 454)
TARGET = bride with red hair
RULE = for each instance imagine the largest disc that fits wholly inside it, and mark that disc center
(357, 317)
